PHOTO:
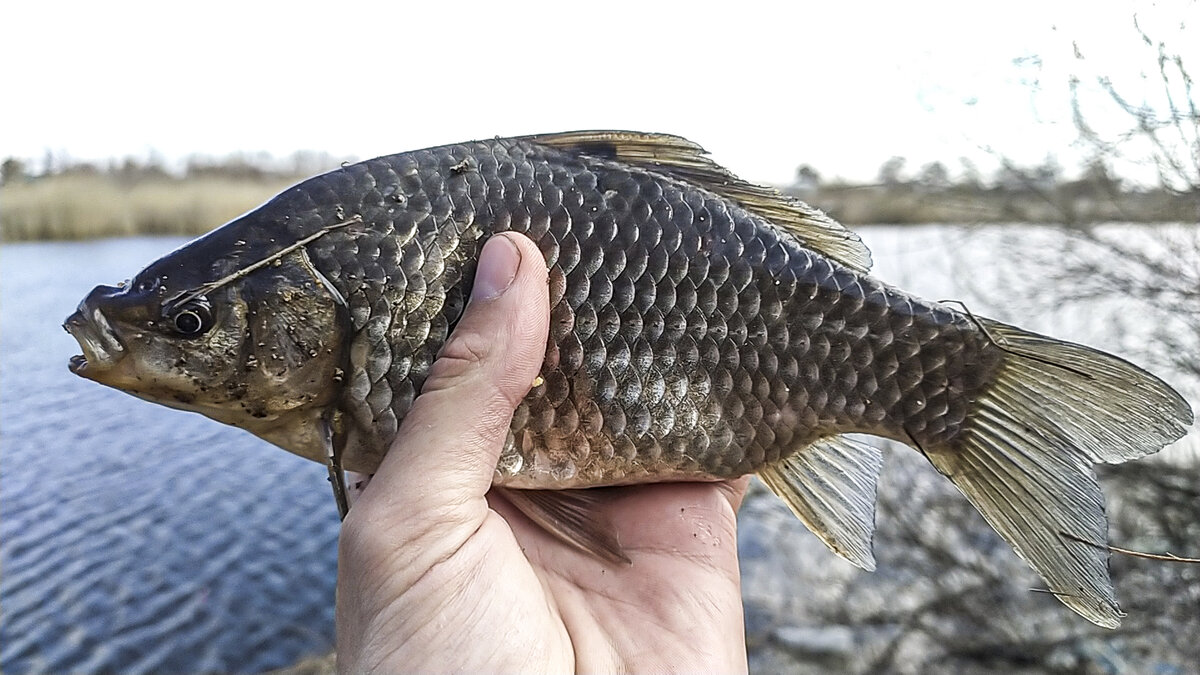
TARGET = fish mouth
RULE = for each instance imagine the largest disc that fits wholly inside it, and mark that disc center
(102, 349)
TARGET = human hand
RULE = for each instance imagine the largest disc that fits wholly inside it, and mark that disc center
(438, 573)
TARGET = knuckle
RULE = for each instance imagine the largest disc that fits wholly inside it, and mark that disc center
(467, 347)
(464, 358)
(462, 355)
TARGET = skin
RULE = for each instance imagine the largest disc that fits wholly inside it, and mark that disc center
(438, 572)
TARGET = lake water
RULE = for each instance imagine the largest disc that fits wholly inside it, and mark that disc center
(138, 538)
(135, 538)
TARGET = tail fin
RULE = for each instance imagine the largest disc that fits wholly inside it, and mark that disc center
(1024, 458)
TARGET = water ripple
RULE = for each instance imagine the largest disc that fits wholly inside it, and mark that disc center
(133, 538)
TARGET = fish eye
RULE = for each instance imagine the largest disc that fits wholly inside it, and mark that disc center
(146, 285)
(192, 320)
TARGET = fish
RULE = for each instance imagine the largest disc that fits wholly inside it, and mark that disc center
(702, 328)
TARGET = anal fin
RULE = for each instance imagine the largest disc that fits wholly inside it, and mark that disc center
(830, 486)
(570, 515)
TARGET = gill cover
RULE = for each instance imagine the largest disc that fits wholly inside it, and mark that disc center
(295, 328)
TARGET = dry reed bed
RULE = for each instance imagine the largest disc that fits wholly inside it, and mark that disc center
(91, 206)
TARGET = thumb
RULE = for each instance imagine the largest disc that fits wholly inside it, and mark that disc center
(441, 465)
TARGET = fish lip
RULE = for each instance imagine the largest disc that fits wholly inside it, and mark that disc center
(102, 348)
(78, 364)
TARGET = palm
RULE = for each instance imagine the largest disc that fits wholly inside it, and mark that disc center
(533, 603)
(682, 588)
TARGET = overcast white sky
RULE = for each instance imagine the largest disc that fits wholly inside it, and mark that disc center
(766, 86)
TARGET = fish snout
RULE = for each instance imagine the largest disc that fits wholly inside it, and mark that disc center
(102, 348)
(102, 295)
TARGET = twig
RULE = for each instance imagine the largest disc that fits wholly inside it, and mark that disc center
(188, 296)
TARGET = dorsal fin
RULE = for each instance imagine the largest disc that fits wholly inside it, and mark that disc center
(680, 158)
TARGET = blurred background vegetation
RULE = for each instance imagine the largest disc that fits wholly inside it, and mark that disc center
(141, 196)
(136, 196)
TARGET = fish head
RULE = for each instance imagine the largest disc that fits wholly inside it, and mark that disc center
(262, 349)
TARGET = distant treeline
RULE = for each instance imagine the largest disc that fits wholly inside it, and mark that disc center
(75, 200)
(1013, 194)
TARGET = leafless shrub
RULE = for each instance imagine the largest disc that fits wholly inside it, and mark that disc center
(1141, 286)
(1164, 133)
(949, 596)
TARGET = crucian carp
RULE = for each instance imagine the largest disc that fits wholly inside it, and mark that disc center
(702, 328)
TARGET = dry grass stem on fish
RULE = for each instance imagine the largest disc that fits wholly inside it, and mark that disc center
(1164, 557)
(702, 328)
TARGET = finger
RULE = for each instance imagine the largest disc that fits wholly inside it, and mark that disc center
(734, 491)
(355, 484)
(445, 453)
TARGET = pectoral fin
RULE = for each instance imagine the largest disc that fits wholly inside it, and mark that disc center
(830, 486)
(570, 515)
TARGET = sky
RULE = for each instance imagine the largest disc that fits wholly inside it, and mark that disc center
(764, 86)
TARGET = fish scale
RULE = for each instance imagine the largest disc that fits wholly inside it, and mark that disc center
(700, 328)
(689, 265)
